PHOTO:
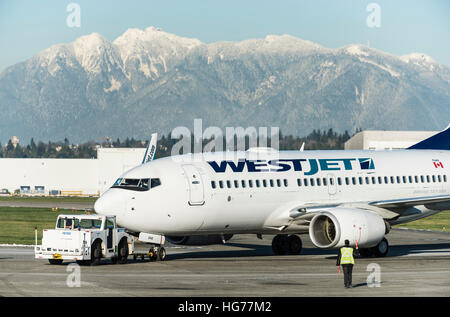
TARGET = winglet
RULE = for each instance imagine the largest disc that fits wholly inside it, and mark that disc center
(151, 149)
(439, 141)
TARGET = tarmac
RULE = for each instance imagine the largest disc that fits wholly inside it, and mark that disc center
(418, 264)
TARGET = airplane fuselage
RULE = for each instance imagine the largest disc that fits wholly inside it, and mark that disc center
(253, 191)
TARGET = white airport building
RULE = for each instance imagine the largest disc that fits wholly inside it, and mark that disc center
(89, 177)
(386, 140)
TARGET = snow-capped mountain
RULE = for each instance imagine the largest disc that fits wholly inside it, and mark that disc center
(149, 80)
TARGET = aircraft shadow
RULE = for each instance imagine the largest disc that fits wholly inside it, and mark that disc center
(432, 248)
(250, 250)
(256, 250)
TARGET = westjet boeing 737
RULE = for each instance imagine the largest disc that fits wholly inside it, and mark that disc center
(332, 195)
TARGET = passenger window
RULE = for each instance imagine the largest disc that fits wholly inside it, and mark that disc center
(299, 182)
(221, 184)
(250, 183)
(318, 182)
(243, 183)
(236, 184)
(312, 181)
(264, 183)
(347, 181)
(278, 183)
(257, 183)
(213, 184)
(305, 182)
(339, 180)
(271, 183)
(445, 178)
(285, 181)
(324, 181)
(428, 178)
(228, 184)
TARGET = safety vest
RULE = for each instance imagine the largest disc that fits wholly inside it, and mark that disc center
(347, 256)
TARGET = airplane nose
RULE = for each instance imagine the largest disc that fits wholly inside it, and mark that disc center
(110, 203)
(100, 206)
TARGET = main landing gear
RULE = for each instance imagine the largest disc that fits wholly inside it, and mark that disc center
(378, 251)
(282, 244)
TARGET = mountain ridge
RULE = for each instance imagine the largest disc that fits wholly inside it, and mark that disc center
(149, 80)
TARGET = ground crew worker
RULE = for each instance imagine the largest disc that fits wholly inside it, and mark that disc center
(347, 260)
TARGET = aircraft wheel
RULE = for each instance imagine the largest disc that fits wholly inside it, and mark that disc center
(162, 254)
(382, 248)
(280, 244)
(295, 244)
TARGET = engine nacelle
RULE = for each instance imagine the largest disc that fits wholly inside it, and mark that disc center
(330, 228)
(199, 240)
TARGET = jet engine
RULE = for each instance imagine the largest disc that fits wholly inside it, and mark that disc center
(330, 228)
(199, 240)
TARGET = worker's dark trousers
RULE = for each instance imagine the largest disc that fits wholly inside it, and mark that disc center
(347, 269)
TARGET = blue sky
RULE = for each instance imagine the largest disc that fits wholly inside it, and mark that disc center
(28, 27)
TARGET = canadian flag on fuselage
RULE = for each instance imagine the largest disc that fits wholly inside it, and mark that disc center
(438, 164)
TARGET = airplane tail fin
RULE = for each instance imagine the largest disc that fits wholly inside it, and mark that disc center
(439, 141)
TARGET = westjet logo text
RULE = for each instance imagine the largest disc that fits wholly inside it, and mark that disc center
(307, 166)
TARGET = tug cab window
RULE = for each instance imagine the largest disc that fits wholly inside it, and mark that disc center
(137, 184)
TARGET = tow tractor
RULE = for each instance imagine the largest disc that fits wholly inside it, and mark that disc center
(89, 238)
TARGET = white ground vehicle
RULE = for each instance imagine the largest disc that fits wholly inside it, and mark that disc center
(86, 239)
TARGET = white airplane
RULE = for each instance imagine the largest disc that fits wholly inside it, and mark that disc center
(332, 195)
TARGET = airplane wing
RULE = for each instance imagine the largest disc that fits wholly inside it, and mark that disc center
(410, 202)
(396, 211)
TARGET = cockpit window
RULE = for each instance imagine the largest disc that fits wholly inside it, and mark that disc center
(138, 184)
(155, 182)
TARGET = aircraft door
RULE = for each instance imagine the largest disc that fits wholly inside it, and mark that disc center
(196, 190)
